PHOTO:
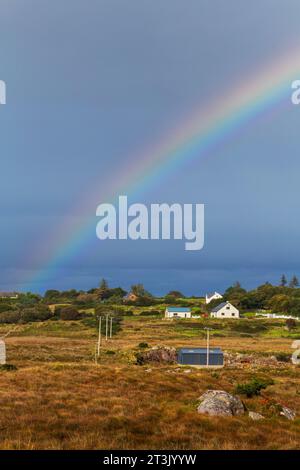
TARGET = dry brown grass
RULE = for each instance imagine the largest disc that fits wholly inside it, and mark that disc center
(59, 399)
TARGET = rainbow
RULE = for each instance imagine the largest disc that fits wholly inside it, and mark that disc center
(194, 138)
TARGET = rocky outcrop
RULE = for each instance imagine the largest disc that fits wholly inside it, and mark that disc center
(288, 413)
(220, 403)
(255, 416)
(158, 354)
(252, 361)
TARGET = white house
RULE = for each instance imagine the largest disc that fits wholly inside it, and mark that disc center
(9, 295)
(178, 312)
(212, 296)
(225, 310)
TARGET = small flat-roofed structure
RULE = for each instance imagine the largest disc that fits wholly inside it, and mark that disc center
(178, 312)
(198, 357)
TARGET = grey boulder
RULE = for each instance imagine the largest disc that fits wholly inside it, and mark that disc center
(255, 416)
(220, 403)
(288, 413)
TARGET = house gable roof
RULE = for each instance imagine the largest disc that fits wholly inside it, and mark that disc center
(211, 294)
(218, 307)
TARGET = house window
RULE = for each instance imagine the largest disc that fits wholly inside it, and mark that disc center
(228, 308)
(233, 314)
(223, 314)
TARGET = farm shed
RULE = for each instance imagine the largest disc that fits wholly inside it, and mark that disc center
(178, 312)
(198, 357)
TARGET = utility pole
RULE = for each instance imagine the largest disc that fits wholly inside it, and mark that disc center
(110, 333)
(207, 345)
(99, 336)
(106, 328)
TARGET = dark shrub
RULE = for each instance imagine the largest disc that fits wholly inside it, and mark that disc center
(70, 313)
(10, 317)
(248, 326)
(171, 300)
(253, 387)
(147, 313)
(283, 357)
(5, 307)
(145, 301)
(39, 313)
(143, 345)
(290, 323)
(8, 367)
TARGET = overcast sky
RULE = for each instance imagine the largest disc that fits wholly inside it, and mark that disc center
(89, 85)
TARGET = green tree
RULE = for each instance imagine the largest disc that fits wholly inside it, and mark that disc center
(175, 293)
(294, 282)
(103, 284)
(52, 294)
(103, 289)
(283, 281)
(69, 313)
(140, 291)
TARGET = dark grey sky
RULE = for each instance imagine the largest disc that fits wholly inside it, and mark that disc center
(92, 83)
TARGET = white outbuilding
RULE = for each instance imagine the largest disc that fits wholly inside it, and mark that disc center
(225, 310)
(178, 312)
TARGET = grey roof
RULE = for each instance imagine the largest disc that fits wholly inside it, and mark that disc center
(200, 351)
(218, 307)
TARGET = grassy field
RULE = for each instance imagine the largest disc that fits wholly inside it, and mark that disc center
(59, 398)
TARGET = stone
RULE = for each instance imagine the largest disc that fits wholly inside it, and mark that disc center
(159, 354)
(255, 416)
(220, 403)
(288, 413)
